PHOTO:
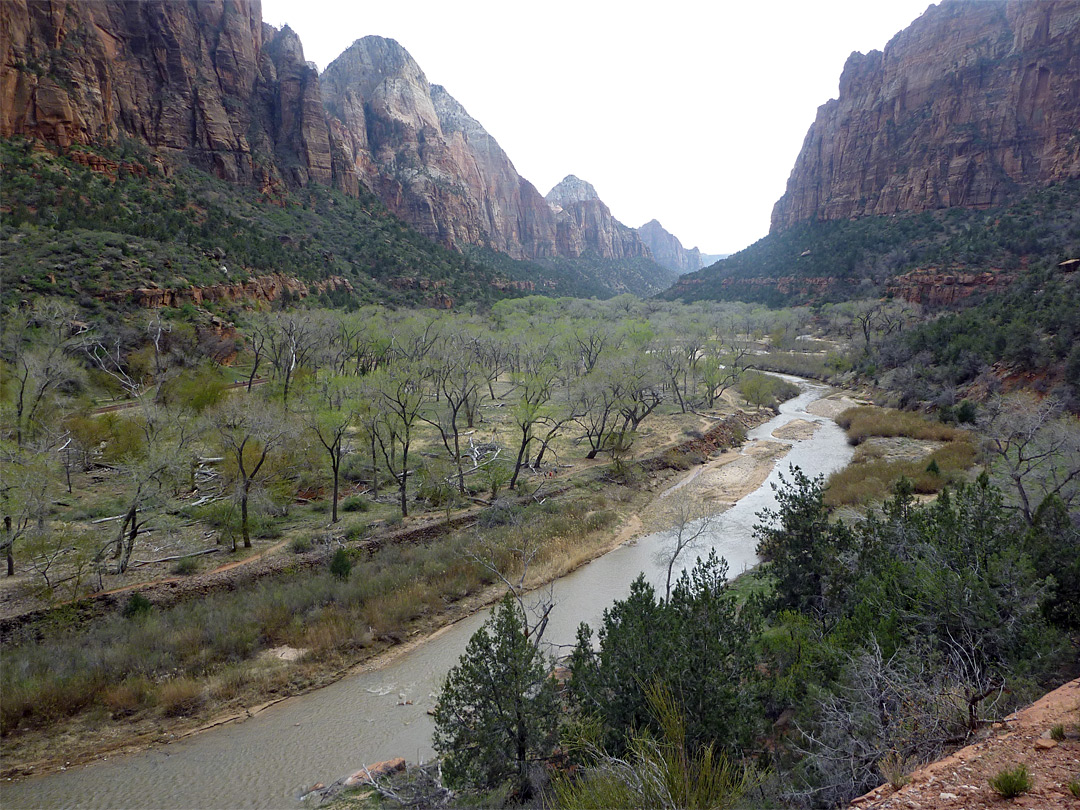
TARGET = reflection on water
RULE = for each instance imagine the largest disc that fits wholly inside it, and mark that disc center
(268, 760)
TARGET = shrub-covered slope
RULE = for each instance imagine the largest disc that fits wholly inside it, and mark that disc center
(833, 261)
(90, 223)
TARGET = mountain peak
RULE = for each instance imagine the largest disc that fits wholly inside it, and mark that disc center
(571, 189)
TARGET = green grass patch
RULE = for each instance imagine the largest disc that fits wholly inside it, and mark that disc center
(1012, 782)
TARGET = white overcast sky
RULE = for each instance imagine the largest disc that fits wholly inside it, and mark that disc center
(691, 113)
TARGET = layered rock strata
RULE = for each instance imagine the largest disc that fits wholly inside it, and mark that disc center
(207, 80)
(975, 101)
(210, 83)
(585, 224)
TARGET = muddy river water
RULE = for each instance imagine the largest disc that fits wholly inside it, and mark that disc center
(268, 760)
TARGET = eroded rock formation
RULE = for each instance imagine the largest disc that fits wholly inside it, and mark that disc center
(937, 288)
(210, 83)
(975, 101)
(261, 289)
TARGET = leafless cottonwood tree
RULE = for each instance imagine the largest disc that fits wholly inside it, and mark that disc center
(1034, 445)
(250, 434)
(692, 521)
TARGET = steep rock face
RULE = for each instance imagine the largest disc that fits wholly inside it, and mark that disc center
(976, 100)
(584, 223)
(205, 79)
(668, 250)
(427, 158)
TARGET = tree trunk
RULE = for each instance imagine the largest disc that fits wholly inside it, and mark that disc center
(129, 544)
(244, 518)
(337, 477)
(10, 546)
(404, 481)
(374, 469)
(521, 454)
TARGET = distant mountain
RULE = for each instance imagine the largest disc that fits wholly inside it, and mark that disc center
(668, 250)
(712, 258)
(432, 163)
(584, 224)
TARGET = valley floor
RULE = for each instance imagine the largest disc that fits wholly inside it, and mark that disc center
(723, 479)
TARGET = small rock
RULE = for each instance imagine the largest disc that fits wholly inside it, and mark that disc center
(943, 795)
(1045, 745)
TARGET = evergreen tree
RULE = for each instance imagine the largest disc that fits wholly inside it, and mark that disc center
(497, 713)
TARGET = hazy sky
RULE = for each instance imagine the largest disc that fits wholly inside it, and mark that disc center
(691, 113)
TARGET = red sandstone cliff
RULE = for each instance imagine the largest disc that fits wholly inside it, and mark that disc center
(973, 102)
(207, 80)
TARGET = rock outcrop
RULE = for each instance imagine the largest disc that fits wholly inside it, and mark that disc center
(207, 80)
(938, 288)
(667, 250)
(977, 100)
(260, 289)
(584, 224)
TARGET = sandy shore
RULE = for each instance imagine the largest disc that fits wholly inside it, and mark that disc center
(717, 484)
(833, 405)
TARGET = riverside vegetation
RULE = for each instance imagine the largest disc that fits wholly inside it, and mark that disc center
(873, 646)
(340, 431)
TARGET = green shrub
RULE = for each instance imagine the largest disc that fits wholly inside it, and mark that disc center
(354, 503)
(341, 564)
(1057, 733)
(299, 545)
(188, 565)
(136, 605)
(1074, 787)
(1012, 782)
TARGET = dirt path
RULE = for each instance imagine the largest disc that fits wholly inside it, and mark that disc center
(960, 780)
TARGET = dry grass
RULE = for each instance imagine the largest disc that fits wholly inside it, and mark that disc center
(864, 421)
(180, 696)
(871, 478)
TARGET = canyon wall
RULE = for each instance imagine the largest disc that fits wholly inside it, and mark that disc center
(975, 102)
(668, 250)
(206, 80)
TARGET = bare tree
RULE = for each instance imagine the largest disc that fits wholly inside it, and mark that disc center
(147, 466)
(25, 495)
(692, 521)
(251, 435)
(399, 398)
(37, 347)
(1034, 445)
